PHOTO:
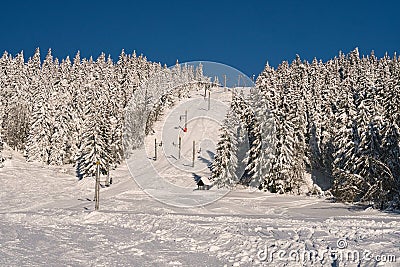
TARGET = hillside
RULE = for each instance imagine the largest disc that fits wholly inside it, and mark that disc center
(47, 217)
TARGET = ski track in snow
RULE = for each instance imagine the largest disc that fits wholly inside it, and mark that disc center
(47, 218)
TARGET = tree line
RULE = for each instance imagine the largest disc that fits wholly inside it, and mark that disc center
(340, 117)
(74, 111)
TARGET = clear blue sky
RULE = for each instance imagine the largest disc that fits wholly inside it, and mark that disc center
(244, 35)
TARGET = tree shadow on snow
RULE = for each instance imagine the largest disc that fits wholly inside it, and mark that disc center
(196, 177)
(207, 161)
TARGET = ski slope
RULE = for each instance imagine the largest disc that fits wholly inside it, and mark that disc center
(47, 217)
(172, 178)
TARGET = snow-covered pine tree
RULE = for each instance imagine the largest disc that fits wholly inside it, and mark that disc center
(389, 84)
(346, 139)
(379, 185)
(124, 79)
(3, 81)
(285, 174)
(17, 101)
(391, 154)
(241, 108)
(261, 153)
(282, 170)
(199, 76)
(298, 99)
(77, 80)
(225, 163)
(40, 131)
(95, 142)
(116, 103)
(34, 72)
(60, 140)
(314, 104)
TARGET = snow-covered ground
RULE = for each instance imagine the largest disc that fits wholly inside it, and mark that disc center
(47, 218)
